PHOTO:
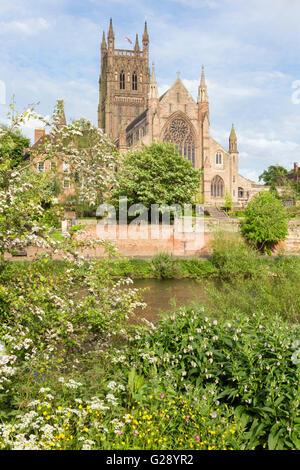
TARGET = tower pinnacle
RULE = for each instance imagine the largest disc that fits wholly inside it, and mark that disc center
(137, 46)
(202, 89)
(233, 141)
(111, 31)
(146, 35)
(103, 43)
(153, 89)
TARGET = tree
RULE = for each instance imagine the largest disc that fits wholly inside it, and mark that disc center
(13, 145)
(265, 221)
(156, 174)
(41, 326)
(228, 201)
(90, 154)
(273, 176)
(23, 192)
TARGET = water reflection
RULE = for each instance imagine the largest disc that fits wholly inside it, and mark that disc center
(164, 295)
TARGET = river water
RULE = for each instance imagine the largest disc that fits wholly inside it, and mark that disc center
(164, 295)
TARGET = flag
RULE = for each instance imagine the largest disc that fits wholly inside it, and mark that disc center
(128, 39)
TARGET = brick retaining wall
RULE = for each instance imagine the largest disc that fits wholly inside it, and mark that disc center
(146, 240)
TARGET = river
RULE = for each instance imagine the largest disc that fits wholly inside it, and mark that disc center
(163, 295)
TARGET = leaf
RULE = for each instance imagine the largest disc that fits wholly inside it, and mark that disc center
(272, 441)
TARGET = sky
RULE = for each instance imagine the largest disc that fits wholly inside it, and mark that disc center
(250, 50)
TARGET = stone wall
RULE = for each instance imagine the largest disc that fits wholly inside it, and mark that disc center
(147, 240)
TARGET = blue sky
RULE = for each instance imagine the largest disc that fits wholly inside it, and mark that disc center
(250, 49)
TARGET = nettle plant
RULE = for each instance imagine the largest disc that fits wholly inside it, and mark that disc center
(45, 323)
(248, 363)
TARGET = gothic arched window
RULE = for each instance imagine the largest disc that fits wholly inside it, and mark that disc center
(122, 80)
(181, 135)
(217, 187)
(134, 81)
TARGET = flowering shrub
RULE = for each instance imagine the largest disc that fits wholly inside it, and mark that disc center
(251, 362)
(188, 382)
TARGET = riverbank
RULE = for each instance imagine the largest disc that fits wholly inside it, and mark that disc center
(157, 267)
(219, 371)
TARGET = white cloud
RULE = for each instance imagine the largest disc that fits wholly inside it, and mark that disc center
(27, 27)
(251, 175)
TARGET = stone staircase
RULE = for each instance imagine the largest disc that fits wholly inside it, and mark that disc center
(215, 212)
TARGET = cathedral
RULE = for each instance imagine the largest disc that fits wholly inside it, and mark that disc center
(132, 113)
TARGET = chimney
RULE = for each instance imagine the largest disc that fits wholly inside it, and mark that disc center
(38, 133)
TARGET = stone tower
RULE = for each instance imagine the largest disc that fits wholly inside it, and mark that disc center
(123, 84)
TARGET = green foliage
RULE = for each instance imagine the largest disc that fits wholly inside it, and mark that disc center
(272, 291)
(123, 416)
(198, 268)
(12, 148)
(239, 213)
(228, 201)
(265, 221)
(231, 369)
(165, 266)
(245, 362)
(293, 212)
(135, 268)
(232, 258)
(156, 174)
(273, 176)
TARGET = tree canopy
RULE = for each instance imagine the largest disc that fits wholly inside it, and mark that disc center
(273, 176)
(156, 174)
(13, 145)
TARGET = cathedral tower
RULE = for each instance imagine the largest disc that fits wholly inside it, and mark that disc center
(123, 84)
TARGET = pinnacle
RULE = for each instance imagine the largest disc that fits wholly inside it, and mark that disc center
(232, 133)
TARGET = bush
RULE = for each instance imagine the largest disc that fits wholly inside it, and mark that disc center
(265, 221)
(135, 268)
(165, 266)
(233, 258)
(249, 363)
(198, 268)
